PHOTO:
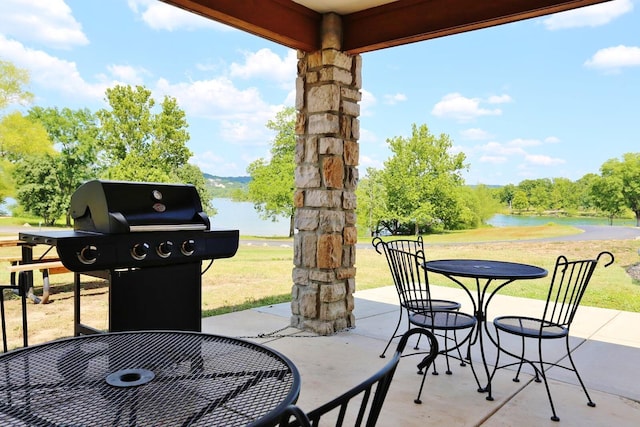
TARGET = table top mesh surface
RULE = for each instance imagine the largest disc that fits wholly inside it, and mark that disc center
(198, 380)
(485, 269)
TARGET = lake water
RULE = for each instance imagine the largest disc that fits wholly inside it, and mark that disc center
(519, 220)
(242, 216)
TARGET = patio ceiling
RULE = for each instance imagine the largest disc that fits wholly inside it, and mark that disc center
(370, 24)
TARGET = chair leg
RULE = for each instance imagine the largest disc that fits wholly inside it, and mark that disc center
(554, 416)
(516, 379)
(393, 335)
(455, 339)
(423, 367)
(590, 402)
(496, 366)
(4, 323)
(446, 353)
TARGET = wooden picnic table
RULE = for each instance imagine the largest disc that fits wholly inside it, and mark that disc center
(21, 270)
(46, 264)
(5, 243)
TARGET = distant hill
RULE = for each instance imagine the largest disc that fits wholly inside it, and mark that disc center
(223, 186)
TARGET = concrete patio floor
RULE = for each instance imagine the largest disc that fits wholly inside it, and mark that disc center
(605, 343)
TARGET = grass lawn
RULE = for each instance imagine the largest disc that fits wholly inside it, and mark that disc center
(261, 275)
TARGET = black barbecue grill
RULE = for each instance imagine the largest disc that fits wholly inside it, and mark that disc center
(148, 240)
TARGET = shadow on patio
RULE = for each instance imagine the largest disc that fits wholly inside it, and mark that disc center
(606, 348)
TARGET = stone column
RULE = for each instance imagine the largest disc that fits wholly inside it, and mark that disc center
(327, 131)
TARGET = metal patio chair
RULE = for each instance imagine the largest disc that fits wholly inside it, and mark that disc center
(410, 300)
(412, 278)
(567, 287)
(367, 398)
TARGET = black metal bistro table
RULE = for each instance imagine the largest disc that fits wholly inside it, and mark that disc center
(490, 272)
(146, 378)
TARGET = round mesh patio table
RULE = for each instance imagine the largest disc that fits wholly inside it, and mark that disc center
(488, 277)
(146, 378)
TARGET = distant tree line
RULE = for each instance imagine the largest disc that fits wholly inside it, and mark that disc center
(615, 193)
(402, 200)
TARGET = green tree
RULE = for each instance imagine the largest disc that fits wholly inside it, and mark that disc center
(74, 134)
(564, 195)
(38, 189)
(12, 82)
(506, 195)
(627, 171)
(139, 141)
(520, 200)
(422, 179)
(607, 196)
(371, 194)
(272, 182)
(584, 192)
(482, 203)
(133, 133)
(538, 193)
(20, 137)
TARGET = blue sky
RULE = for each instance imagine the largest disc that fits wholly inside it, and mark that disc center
(543, 98)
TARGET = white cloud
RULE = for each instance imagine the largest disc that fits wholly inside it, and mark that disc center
(212, 163)
(209, 67)
(368, 162)
(215, 99)
(552, 140)
(128, 74)
(511, 152)
(499, 99)
(542, 160)
(395, 98)
(461, 108)
(51, 72)
(367, 103)
(242, 112)
(48, 22)
(525, 171)
(245, 132)
(475, 134)
(290, 99)
(613, 58)
(163, 16)
(267, 65)
(521, 142)
(589, 16)
(366, 136)
(496, 148)
(496, 160)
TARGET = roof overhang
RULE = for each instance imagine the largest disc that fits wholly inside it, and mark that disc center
(370, 24)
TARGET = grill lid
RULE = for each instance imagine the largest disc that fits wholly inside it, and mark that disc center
(122, 207)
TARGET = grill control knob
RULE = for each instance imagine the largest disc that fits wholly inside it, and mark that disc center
(188, 247)
(140, 251)
(164, 249)
(88, 255)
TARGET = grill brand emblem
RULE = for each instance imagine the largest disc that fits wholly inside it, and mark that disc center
(159, 207)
